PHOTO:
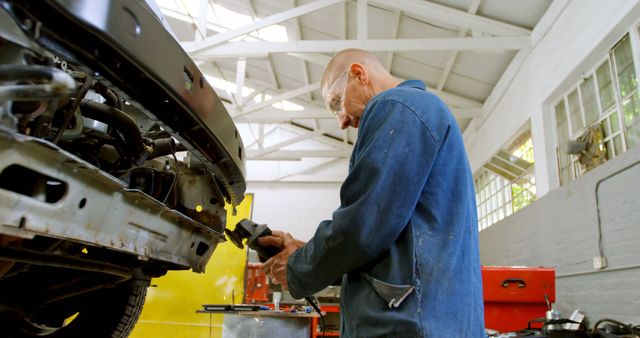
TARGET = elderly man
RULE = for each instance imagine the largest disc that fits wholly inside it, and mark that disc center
(404, 239)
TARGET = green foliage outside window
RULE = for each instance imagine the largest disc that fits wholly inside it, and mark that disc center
(523, 189)
(521, 196)
(497, 196)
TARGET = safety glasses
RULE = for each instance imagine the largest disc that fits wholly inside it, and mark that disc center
(334, 99)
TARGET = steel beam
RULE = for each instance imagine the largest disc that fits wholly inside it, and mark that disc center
(473, 8)
(261, 49)
(434, 12)
(294, 140)
(265, 22)
(279, 98)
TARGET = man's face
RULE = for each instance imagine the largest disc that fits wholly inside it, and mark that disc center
(338, 104)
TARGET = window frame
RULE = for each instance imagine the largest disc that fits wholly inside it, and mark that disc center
(575, 169)
(494, 193)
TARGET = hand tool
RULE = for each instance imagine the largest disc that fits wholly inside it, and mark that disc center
(251, 231)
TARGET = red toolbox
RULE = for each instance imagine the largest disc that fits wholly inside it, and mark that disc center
(515, 295)
(255, 284)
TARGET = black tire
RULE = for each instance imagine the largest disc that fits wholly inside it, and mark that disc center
(105, 313)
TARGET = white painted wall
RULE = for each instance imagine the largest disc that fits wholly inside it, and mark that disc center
(563, 228)
(294, 207)
(582, 34)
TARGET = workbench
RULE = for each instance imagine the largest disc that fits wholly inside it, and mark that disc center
(264, 323)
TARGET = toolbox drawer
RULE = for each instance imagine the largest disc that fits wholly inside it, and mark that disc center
(515, 295)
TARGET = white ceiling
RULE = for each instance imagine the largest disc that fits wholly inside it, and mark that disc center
(462, 50)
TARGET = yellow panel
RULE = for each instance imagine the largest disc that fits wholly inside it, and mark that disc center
(170, 307)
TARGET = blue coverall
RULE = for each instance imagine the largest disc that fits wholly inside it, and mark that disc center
(405, 237)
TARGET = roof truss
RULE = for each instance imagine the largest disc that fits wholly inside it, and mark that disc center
(261, 49)
(489, 35)
(434, 12)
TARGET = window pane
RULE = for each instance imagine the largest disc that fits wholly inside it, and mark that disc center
(617, 143)
(588, 92)
(607, 96)
(574, 112)
(561, 123)
(562, 128)
(604, 124)
(606, 127)
(563, 165)
(525, 151)
(631, 116)
(499, 190)
(609, 150)
(631, 109)
(624, 65)
(633, 134)
(613, 121)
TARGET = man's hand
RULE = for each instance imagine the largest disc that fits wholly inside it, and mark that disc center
(276, 266)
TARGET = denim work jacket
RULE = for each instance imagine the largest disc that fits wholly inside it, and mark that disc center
(405, 237)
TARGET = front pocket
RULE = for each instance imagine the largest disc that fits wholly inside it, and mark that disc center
(392, 294)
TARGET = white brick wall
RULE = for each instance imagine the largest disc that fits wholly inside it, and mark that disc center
(560, 230)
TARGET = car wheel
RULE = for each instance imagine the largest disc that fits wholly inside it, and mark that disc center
(105, 313)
